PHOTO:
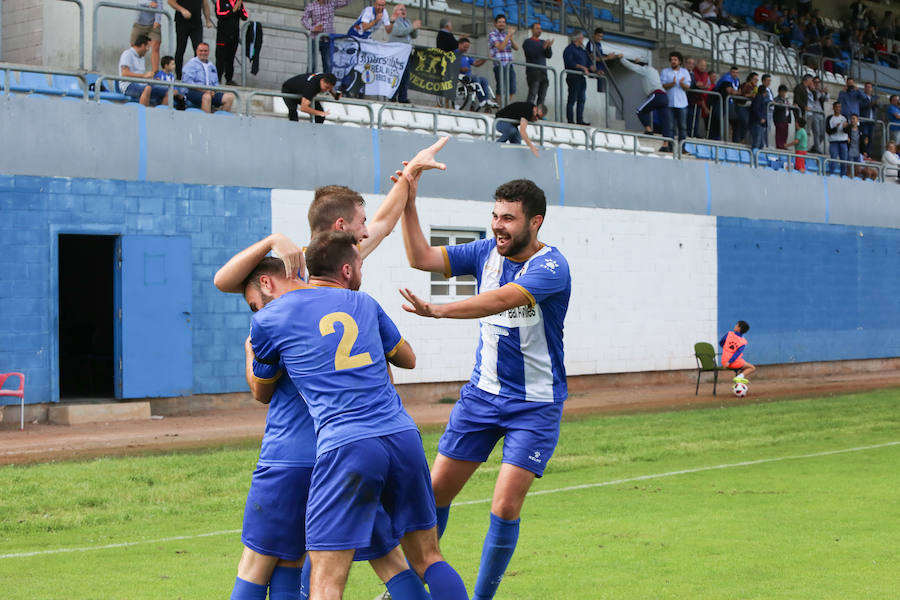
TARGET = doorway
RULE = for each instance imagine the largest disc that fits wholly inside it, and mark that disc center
(86, 316)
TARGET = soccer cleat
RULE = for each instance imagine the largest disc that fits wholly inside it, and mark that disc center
(740, 379)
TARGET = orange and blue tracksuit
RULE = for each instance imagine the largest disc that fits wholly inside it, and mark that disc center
(732, 350)
(228, 34)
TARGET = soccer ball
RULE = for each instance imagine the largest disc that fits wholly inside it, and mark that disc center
(740, 389)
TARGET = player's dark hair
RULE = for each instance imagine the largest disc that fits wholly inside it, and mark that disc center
(330, 203)
(270, 266)
(330, 78)
(165, 60)
(329, 251)
(743, 326)
(141, 40)
(525, 191)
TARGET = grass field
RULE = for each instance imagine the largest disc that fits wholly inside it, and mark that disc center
(792, 500)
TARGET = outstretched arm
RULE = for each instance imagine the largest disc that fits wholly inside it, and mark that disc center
(420, 254)
(233, 273)
(389, 212)
(482, 305)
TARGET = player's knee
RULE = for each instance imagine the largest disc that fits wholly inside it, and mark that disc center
(422, 562)
(506, 508)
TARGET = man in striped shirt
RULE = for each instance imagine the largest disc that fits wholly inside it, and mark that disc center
(318, 18)
(502, 44)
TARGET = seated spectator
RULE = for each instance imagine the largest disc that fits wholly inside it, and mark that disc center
(891, 162)
(167, 73)
(131, 64)
(483, 92)
(765, 15)
(446, 41)
(894, 119)
(309, 85)
(523, 112)
(200, 71)
(832, 54)
(148, 24)
(370, 19)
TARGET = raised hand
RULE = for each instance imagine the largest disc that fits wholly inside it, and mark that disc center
(419, 306)
(424, 160)
(290, 254)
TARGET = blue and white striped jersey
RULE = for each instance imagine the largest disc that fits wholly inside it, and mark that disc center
(520, 354)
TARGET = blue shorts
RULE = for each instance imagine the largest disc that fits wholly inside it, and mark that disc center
(480, 419)
(275, 516)
(157, 92)
(351, 482)
(196, 97)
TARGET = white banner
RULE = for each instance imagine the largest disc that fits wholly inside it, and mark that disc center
(379, 64)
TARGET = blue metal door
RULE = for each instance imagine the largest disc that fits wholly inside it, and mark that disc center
(153, 316)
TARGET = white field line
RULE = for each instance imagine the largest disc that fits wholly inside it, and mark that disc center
(585, 486)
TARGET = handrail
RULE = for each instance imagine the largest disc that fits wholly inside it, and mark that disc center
(607, 74)
(355, 102)
(635, 137)
(243, 36)
(721, 107)
(879, 166)
(582, 74)
(106, 3)
(553, 85)
(817, 158)
(818, 70)
(172, 85)
(541, 126)
(435, 113)
(718, 46)
(714, 144)
(8, 68)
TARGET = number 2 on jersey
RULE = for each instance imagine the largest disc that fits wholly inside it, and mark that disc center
(342, 358)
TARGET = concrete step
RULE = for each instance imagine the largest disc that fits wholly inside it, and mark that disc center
(75, 414)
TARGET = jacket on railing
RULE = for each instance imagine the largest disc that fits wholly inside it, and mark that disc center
(253, 43)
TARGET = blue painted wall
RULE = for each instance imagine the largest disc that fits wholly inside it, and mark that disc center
(810, 292)
(220, 221)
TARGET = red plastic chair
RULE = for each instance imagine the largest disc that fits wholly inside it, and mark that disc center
(20, 393)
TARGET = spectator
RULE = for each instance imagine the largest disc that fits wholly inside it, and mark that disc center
(854, 140)
(727, 86)
(501, 44)
(782, 29)
(867, 110)
(676, 81)
(742, 101)
(576, 58)
(148, 24)
(759, 120)
(799, 142)
(229, 13)
(766, 81)
(446, 41)
(309, 85)
(764, 15)
(701, 79)
(523, 112)
(859, 14)
(403, 32)
(167, 73)
(712, 10)
(821, 101)
(318, 18)
(370, 19)
(851, 99)
(200, 71)
(891, 162)
(781, 117)
(656, 100)
(537, 51)
(837, 128)
(483, 92)
(188, 25)
(595, 49)
(894, 119)
(132, 64)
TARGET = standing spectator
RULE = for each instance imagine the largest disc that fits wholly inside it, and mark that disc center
(148, 24)
(676, 81)
(759, 121)
(854, 140)
(501, 44)
(816, 126)
(200, 71)
(318, 18)
(370, 19)
(859, 14)
(852, 99)
(894, 119)
(656, 100)
(764, 15)
(576, 58)
(132, 64)
(483, 90)
(403, 32)
(537, 51)
(781, 117)
(188, 25)
(595, 49)
(699, 104)
(728, 86)
(446, 41)
(523, 112)
(309, 85)
(867, 110)
(799, 142)
(837, 127)
(742, 101)
(229, 13)
(891, 162)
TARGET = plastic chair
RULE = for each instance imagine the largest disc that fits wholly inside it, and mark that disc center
(706, 363)
(17, 393)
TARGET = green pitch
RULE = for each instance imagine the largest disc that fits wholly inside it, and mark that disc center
(792, 500)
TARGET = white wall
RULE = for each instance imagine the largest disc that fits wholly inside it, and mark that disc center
(643, 285)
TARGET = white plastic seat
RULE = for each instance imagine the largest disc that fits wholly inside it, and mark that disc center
(614, 141)
(448, 124)
(356, 114)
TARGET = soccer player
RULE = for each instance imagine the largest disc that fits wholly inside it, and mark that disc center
(369, 453)
(518, 385)
(733, 345)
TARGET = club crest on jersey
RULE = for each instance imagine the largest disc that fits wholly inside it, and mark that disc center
(551, 265)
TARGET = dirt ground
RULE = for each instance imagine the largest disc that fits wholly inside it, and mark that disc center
(41, 442)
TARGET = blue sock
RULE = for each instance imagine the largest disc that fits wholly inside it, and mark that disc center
(406, 585)
(245, 590)
(284, 584)
(499, 545)
(443, 515)
(445, 583)
(304, 578)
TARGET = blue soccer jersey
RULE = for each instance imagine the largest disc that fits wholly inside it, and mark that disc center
(333, 343)
(290, 437)
(520, 353)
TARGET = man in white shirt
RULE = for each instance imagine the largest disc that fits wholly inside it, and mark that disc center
(131, 64)
(837, 127)
(202, 72)
(676, 81)
(371, 18)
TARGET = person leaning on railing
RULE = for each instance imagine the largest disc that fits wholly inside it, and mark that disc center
(308, 86)
(523, 112)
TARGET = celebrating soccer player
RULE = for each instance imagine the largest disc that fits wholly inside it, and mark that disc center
(518, 385)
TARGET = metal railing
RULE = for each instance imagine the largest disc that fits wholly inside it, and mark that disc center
(715, 145)
(541, 127)
(721, 104)
(552, 85)
(597, 76)
(830, 163)
(120, 6)
(636, 137)
(435, 113)
(303, 32)
(792, 157)
(8, 69)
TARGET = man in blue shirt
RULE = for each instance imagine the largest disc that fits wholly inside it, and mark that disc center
(595, 49)
(894, 119)
(369, 457)
(537, 51)
(518, 385)
(576, 58)
(483, 89)
(852, 99)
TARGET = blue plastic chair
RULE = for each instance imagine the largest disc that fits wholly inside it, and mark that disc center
(690, 148)
(704, 152)
(745, 157)
(732, 155)
(68, 85)
(33, 83)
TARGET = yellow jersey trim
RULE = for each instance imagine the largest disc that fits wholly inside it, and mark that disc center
(268, 380)
(528, 295)
(396, 348)
(448, 271)
(328, 285)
